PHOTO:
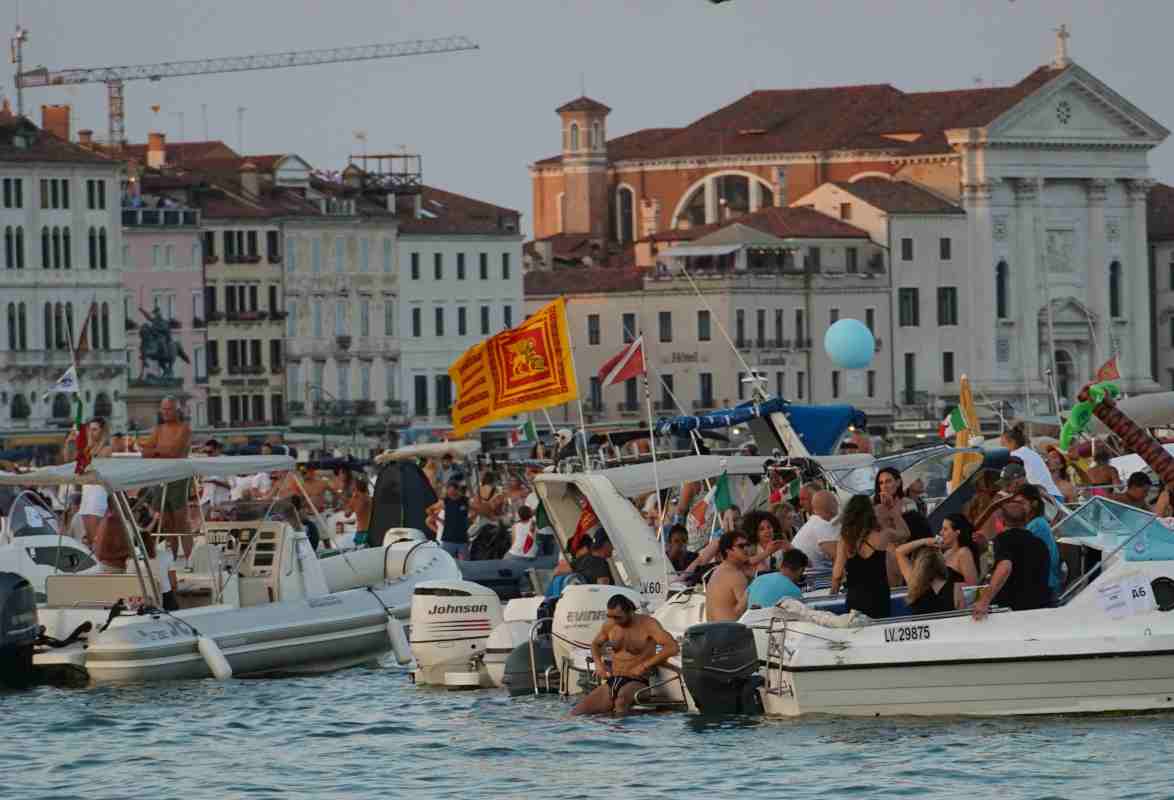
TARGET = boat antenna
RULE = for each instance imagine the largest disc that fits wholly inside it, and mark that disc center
(757, 389)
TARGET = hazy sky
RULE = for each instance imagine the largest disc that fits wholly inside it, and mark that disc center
(480, 118)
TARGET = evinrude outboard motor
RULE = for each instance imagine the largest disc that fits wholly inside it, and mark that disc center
(18, 630)
(719, 663)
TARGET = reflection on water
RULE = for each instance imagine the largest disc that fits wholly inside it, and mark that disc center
(369, 732)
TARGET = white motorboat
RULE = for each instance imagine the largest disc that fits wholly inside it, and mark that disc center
(33, 545)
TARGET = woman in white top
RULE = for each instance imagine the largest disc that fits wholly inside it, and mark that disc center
(525, 537)
(1015, 440)
(94, 499)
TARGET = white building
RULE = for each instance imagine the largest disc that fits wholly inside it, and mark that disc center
(59, 215)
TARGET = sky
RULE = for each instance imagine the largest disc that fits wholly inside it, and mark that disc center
(480, 118)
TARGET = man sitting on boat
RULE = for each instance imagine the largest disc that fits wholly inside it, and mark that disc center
(725, 594)
(593, 567)
(820, 533)
(769, 588)
(678, 552)
(1020, 577)
(1137, 490)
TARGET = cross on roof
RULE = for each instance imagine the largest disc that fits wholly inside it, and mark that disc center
(1062, 37)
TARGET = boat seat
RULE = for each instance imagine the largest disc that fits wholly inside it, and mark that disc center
(69, 591)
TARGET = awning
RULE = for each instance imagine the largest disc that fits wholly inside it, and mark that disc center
(121, 474)
(702, 250)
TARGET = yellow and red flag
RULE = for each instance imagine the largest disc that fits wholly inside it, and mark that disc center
(520, 369)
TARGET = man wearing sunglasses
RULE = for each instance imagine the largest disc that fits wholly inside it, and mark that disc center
(633, 639)
(725, 596)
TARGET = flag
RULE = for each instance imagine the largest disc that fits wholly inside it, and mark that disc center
(523, 433)
(969, 436)
(81, 440)
(83, 341)
(66, 384)
(520, 369)
(1108, 371)
(953, 424)
(722, 499)
(628, 363)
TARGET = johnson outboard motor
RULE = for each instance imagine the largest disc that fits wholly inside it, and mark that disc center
(719, 663)
(18, 630)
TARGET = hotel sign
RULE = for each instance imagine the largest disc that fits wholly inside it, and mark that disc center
(915, 425)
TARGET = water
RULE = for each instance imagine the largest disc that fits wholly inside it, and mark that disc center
(371, 733)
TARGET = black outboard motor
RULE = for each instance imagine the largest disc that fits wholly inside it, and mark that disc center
(18, 630)
(719, 663)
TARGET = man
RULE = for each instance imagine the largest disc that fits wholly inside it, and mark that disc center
(172, 438)
(725, 595)
(807, 493)
(1102, 473)
(1020, 577)
(214, 491)
(770, 587)
(593, 566)
(454, 536)
(820, 533)
(634, 639)
(118, 443)
(1137, 490)
(359, 504)
(678, 552)
(1037, 523)
(1012, 478)
(445, 473)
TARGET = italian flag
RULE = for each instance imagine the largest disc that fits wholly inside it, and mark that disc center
(81, 442)
(523, 433)
(953, 424)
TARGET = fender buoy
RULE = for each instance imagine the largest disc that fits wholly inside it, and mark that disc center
(214, 658)
(399, 642)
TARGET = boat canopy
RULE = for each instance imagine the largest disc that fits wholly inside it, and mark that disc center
(1108, 524)
(464, 448)
(819, 427)
(1147, 410)
(121, 474)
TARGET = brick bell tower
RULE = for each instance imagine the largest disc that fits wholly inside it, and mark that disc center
(584, 123)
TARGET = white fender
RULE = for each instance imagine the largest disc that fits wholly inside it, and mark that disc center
(214, 658)
(399, 642)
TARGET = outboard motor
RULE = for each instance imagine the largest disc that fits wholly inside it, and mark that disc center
(719, 663)
(451, 622)
(19, 630)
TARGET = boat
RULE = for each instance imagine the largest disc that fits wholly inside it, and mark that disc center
(34, 546)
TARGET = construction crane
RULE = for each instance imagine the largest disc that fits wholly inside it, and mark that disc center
(115, 77)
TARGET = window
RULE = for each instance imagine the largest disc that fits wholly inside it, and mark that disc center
(415, 266)
(778, 327)
(833, 316)
(666, 392)
(19, 247)
(7, 192)
(1115, 290)
(90, 190)
(252, 247)
(65, 194)
(741, 380)
(630, 401)
(387, 256)
(462, 321)
(275, 356)
(344, 382)
(443, 394)
(484, 266)
(851, 260)
(389, 318)
(665, 320)
(316, 255)
(318, 319)
(291, 254)
(272, 248)
(1002, 276)
(105, 326)
(835, 384)
(906, 249)
(1172, 331)
(44, 192)
(505, 266)
(390, 383)
(944, 246)
(871, 376)
(705, 381)
(845, 211)
(780, 383)
(740, 327)
(574, 136)
(910, 378)
(101, 194)
(417, 324)
(593, 329)
(420, 385)
(800, 384)
(947, 367)
(460, 266)
(909, 316)
(46, 253)
(800, 329)
(1172, 272)
(438, 266)
(703, 326)
(628, 328)
(438, 314)
(814, 257)
(364, 317)
(760, 327)
(10, 246)
(273, 304)
(595, 398)
(507, 316)
(870, 319)
(947, 305)
(484, 320)
(339, 253)
(364, 256)
(169, 255)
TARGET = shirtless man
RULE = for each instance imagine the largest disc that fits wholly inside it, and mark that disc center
(172, 438)
(359, 504)
(725, 595)
(633, 639)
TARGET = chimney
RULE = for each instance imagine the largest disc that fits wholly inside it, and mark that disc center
(55, 120)
(249, 181)
(417, 205)
(156, 150)
(85, 137)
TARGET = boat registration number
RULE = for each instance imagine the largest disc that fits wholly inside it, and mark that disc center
(907, 633)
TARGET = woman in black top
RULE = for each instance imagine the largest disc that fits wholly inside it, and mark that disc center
(959, 549)
(861, 559)
(932, 588)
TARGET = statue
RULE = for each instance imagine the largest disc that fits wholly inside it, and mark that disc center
(157, 344)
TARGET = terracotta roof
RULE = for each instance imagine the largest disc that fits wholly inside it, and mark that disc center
(581, 280)
(178, 152)
(898, 197)
(448, 212)
(40, 145)
(1160, 213)
(798, 223)
(583, 104)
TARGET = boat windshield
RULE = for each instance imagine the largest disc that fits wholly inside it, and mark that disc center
(1100, 517)
(250, 511)
(933, 466)
(29, 516)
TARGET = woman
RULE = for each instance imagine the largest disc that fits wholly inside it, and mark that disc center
(894, 510)
(932, 589)
(94, 498)
(1060, 472)
(766, 531)
(961, 552)
(489, 505)
(861, 559)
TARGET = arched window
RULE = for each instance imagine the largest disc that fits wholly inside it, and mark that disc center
(60, 406)
(105, 326)
(1065, 372)
(574, 136)
(13, 343)
(59, 326)
(70, 333)
(623, 211)
(732, 199)
(22, 328)
(20, 406)
(1115, 289)
(9, 249)
(596, 135)
(49, 343)
(95, 329)
(93, 249)
(56, 247)
(102, 406)
(45, 254)
(102, 248)
(19, 247)
(1002, 276)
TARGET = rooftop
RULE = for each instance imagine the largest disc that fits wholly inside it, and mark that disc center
(21, 140)
(582, 280)
(898, 197)
(583, 103)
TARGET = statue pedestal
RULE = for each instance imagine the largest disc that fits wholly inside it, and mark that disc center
(143, 399)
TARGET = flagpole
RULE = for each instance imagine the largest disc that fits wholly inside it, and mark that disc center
(578, 397)
(652, 444)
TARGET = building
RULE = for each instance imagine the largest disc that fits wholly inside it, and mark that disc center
(1050, 174)
(1160, 229)
(59, 213)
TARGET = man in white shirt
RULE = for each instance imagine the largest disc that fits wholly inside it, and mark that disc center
(214, 491)
(1015, 440)
(820, 533)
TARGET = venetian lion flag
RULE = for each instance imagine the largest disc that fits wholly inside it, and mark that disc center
(521, 369)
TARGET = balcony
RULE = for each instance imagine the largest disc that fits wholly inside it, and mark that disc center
(784, 344)
(627, 409)
(245, 316)
(199, 323)
(296, 409)
(233, 258)
(160, 217)
(278, 316)
(343, 342)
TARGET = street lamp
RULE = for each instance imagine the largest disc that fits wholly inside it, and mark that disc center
(322, 416)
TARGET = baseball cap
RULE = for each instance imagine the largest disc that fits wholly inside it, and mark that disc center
(1012, 472)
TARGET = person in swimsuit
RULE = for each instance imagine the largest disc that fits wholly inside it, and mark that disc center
(726, 597)
(634, 639)
(862, 559)
(172, 438)
(359, 504)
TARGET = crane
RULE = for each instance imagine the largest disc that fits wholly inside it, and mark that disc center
(115, 77)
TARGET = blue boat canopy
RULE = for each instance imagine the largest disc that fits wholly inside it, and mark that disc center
(820, 427)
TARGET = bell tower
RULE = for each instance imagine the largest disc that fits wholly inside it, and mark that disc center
(585, 202)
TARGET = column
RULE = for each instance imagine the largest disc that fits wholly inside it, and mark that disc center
(1098, 270)
(711, 201)
(755, 195)
(1135, 341)
(980, 313)
(1029, 272)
